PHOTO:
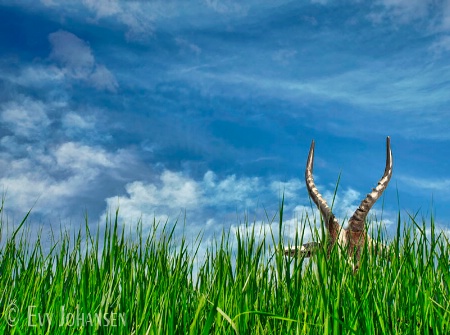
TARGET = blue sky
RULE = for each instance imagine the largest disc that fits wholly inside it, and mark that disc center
(206, 109)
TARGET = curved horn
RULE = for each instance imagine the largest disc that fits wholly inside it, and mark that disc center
(357, 221)
(331, 223)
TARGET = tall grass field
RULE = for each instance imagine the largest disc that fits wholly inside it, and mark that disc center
(111, 282)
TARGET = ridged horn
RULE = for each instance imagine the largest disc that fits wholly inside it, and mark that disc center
(330, 220)
(357, 221)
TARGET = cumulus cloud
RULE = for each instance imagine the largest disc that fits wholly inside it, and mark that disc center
(173, 192)
(25, 117)
(231, 190)
(289, 189)
(76, 59)
(210, 204)
(161, 200)
(35, 163)
(55, 175)
(78, 157)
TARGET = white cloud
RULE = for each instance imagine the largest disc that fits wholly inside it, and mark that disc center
(174, 192)
(136, 16)
(26, 118)
(72, 53)
(434, 184)
(26, 182)
(393, 91)
(75, 156)
(346, 203)
(84, 122)
(74, 120)
(78, 62)
(400, 11)
(182, 191)
(227, 7)
(304, 221)
(435, 15)
(289, 189)
(139, 22)
(441, 46)
(103, 8)
(103, 79)
(377, 86)
(231, 190)
(445, 25)
(186, 45)
(55, 175)
(38, 76)
(210, 203)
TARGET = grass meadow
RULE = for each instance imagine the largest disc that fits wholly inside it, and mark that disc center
(107, 282)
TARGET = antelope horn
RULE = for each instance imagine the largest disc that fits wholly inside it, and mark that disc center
(331, 223)
(357, 221)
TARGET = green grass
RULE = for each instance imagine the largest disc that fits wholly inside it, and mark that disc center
(152, 284)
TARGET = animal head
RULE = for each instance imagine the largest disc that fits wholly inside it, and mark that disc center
(354, 236)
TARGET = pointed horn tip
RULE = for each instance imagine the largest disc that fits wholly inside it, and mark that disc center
(388, 145)
(310, 160)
